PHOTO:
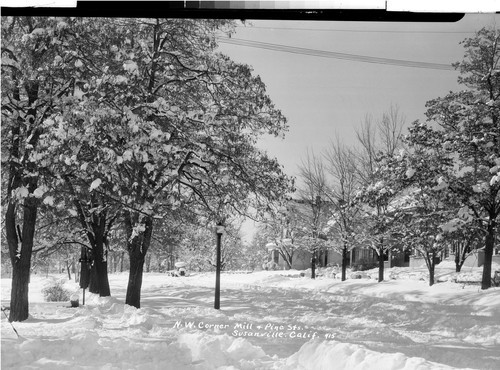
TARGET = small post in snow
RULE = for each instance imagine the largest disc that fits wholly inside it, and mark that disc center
(219, 231)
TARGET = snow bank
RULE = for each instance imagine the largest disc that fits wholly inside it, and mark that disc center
(88, 350)
(209, 351)
(332, 355)
(200, 351)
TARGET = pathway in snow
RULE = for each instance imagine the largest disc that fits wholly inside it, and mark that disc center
(390, 323)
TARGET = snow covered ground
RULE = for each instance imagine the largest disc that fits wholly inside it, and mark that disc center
(268, 320)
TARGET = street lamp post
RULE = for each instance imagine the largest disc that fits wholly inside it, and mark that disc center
(219, 232)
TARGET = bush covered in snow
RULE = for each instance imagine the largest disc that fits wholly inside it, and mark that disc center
(55, 292)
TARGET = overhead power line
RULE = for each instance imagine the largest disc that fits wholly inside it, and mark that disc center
(355, 31)
(334, 55)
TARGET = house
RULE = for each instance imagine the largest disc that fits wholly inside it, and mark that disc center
(283, 250)
(396, 256)
(301, 259)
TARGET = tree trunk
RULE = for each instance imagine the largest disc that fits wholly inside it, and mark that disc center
(313, 265)
(99, 283)
(19, 306)
(488, 255)
(431, 274)
(344, 262)
(94, 280)
(21, 263)
(134, 286)
(432, 264)
(381, 264)
(97, 236)
(101, 268)
(158, 263)
(21, 173)
(462, 250)
(122, 257)
(68, 268)
(137, 248)
(458, 254)
(430, 261)
(100, 254)
(102, 278)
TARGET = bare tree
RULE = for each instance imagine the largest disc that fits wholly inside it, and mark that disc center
(366, 154)
(341, 167)
(280, 229)
(384, 137)
(390, 130)
(313, 192)
(378, 141)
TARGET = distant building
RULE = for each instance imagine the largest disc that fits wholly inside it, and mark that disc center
(301, 259)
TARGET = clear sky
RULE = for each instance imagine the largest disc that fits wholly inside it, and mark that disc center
(324, 96)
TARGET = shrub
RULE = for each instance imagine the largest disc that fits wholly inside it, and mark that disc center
(363, 265)
(55, 292)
